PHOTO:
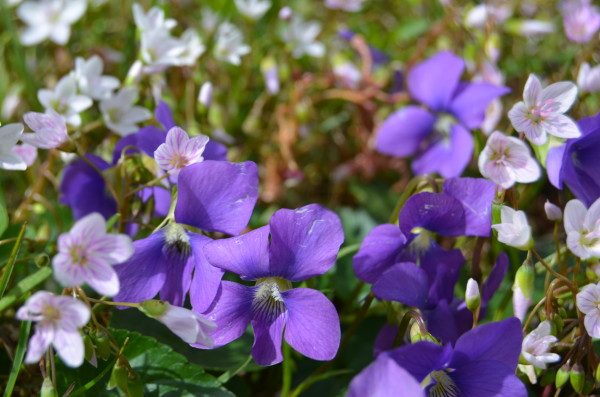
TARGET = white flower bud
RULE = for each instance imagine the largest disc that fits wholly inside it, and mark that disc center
(206, 94)
(553, 211)
(473, 297)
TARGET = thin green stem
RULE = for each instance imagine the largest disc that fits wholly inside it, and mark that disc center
(10, 265)
(109, 303)
(287, 371)
(146, 185)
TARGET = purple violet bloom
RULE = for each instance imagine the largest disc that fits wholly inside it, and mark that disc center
(482, 363)
(576, 162)
(439, 137)
(296, 245)
(212, 196)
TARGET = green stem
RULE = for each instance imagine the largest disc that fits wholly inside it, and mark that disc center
(109, 303)
(408, 190)
(146, 185)
(287, 371)
(8, 269)
(109, 185)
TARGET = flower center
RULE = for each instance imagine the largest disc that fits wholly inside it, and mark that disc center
(268, 302)
(542, 110)
(50, 314)
(179, 161)
(177, 239)
(444, 385)
(79, 255)
(421, 242)
(443, 126)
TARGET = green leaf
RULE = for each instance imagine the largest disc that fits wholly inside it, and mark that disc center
(11, 261)
(3, 214)
(24, 286)
(163, 371)
(18, 360)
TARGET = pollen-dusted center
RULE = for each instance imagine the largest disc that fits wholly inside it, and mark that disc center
(268, 301)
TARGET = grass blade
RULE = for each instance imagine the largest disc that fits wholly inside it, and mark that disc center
(8, 269)
(19, 354)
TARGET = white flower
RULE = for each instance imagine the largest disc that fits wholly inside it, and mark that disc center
(348, 73)
(588, 302)
(87, 253)
(472, 295)
(179, 151)
(553, 211)
(65, 100)
(536, 345)
(189, 326)
(346, 5)
(192, 48)
(159, 50)
(206, 93)
(285, 13)
(9, 136)
(541, 111)
(583, 228)
(153, 19)
(58, 319)
(494, 111)
(229, 46)
(90, 80)
(532, 27)
(49, 19)
(478, 16)
(50, 130)
(119, 113)
(506, 160)
(588, 79)
(520, 303)
(210, 20)
(27, 152)
(513, 228)
(253, 9)
(301, 37)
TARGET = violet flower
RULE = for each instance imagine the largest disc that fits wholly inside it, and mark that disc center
(212, 196)
(576, 163)
(86, 255)
(58, 319)
(438, 137)
(482, 363)
(296, 245)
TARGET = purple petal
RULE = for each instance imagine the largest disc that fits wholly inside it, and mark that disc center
(246, 255)
(434, 81)
(378, 251)
(554, 163)
(385, 339)
(438, 213)
(178, 273)
(495, 278)
(403, 282)
(499, 341)
(471, 101)
(476, 196)
(313, 324)
(39, 343)
(383, 376)
(215, 151)
(487, 379)
(304, 242)
(162, 199)
(217, 195)
(402, 133)
(84, 190)
(441, 323)
(144, 274)
(207, 278)
(448, 158)
(442, 268)
(69, 346)
(421, 358)
(231, 311)
(164, 116)
(147, 139)
(267, 340)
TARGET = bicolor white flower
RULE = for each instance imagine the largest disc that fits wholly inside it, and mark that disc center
(58, 319)
(49, 130)
(506, 160)
(553, 211)
(66, 100)
(151, 20)
(210, 20)
(9, 136)
(179, 151)
(189, 326)
(346, 5)
(27, 152)
(159, 50)
(513, 228)
(253, 9)
(206, 94)
(301, 37)
(588, 302)
(119, 113)
(192, 48)
(87, 253)
(536, 345)
(541, 111)
(90, 80)
(229, 45)
(583, 228)
(588, 79)
(49, 19)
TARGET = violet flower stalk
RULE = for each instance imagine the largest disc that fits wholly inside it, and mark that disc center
(296, 245)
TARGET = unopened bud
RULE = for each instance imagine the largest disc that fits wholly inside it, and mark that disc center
(417, 335)
(118, 376)
(525, 278)
(48, 389)
(206, 94)
(562, 376)
(154, 308)
(553, 211)
(472, 296)
(102, 343)
(134, 74)
(577, 377)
